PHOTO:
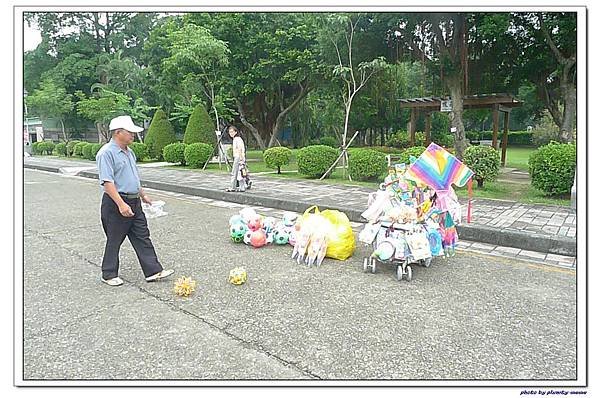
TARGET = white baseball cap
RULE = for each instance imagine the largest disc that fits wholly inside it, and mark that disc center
(125, 123)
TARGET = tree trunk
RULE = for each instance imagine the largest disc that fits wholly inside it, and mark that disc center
(249, 126)
(63, 130)
(455, 84)
(280, 120)
(569, 113)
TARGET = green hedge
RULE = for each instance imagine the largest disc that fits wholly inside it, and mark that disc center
(95, 148)
(401, 139)
(43, 148)
(552, 168)
(160, 134)
(70, 147)
(175, 153)
(86, 151)
(386, 149)
(484, 161)
(60, 149)
(329, 141)
(200, 128)
(514, 137)
(140, 149)
(197, 154)
(276, 157)
(78, 148)
(314, 160)
(366, 164)
(415, 151)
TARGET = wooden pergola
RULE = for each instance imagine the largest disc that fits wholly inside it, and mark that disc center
(496, 102)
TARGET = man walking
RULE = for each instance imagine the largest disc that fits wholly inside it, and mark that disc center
(121, 209)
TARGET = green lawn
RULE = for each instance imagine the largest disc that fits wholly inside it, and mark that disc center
(518, 157)
(522, 193)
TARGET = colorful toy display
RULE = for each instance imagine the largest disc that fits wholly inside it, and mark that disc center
(413, 216)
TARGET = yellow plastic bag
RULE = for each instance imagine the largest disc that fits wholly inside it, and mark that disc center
(341, 237)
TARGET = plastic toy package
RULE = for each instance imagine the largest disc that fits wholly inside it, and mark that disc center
(155, 210)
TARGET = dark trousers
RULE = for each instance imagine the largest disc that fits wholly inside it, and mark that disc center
(117, 227)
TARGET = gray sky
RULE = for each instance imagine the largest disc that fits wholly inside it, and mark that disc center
(31, 38)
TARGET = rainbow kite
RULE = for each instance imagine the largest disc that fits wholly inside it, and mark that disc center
(439, 169)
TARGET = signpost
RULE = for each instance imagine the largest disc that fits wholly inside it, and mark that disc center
(446, 106)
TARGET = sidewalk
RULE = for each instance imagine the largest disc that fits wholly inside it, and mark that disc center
(540, 228)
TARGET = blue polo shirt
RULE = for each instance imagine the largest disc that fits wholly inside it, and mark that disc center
(118, 166)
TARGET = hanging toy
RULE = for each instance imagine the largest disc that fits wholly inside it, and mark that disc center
(238, 276)
(184, 286)
(258, 238)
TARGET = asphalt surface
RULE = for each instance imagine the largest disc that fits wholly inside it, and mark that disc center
(472, 317)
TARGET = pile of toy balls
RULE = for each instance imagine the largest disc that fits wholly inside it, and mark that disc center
(255, 230)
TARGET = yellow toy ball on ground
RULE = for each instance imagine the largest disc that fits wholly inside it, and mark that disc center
(184, 286)
(238, 276)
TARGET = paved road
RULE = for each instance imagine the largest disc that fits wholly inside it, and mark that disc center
(473, 317)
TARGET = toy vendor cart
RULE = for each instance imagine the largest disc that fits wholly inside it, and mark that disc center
(399, 245)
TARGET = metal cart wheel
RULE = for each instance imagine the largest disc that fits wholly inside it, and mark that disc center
(426, 262)
(408, 273)
(399, 273)
(365, 264)
(373, 265)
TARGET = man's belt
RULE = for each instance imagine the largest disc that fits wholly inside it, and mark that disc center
(130, 195)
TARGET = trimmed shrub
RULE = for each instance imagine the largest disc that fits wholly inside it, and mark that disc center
(484, 161)
(35, 148)
(552, 168)
(473, 135)
(140, 149)
(200, 128)
(70, 147)
(314, 160)
(385, 149)
(276, 157)
(160, 134)
(175, 153)
(443, 139)
(329, 141)
(415, 151)
(78, 148)
(399, 139)
(61, 149)
(514, 137)
(86, 151)
(366, 164)
(197, 154)
(45, 147)
(94, 151)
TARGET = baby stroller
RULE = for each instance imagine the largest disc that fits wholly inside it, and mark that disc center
(399, 245)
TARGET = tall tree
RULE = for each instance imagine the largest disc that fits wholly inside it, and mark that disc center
(51, 101)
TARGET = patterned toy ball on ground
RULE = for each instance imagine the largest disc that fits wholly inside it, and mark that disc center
(280, 237)
(184, 286)
(254, 224)
(258, 238)
(247, 236)
(269, 238)
(236, 218)
(238, 276)
(268, 224)
(237, 231)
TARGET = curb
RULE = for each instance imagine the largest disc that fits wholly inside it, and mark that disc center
(480, 233)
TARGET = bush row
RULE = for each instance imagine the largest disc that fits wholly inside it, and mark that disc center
(514, 137)
(552, 168)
